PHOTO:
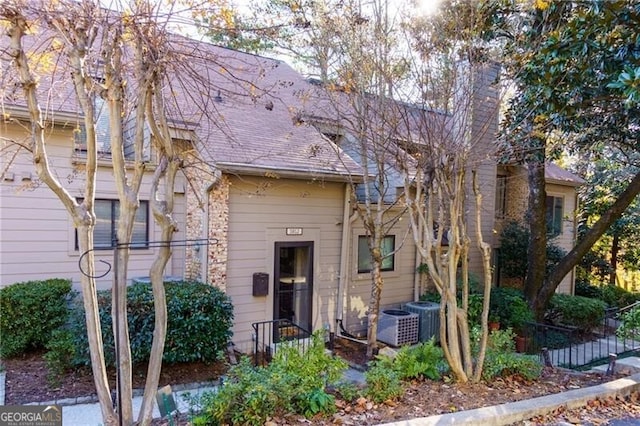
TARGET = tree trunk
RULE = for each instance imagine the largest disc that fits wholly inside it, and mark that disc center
(92, 317)
(83, 216)
(485, 250)
(374, 305)
(121, 331)
(537, 249)
(615, 249)
(162, 212)
(586, 242)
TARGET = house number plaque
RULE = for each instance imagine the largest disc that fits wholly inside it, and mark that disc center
(294, 231)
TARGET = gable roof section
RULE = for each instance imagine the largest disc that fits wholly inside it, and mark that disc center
(241, 107)
(556, 174)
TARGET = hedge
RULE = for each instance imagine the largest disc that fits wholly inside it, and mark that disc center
(199, 323)
(29, 312)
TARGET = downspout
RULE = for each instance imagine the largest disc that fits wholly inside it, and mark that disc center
(347, 220)
(417, 276)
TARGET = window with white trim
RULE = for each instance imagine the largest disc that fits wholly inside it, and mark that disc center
(555, 207)
(107, 213)
(364, 254)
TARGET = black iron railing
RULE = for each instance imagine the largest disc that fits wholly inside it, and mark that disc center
(269, 335)
(573, 348)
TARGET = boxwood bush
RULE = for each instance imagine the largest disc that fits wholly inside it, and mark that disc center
(199, 323)
(577, 311)
(29, 312)
(612, 295)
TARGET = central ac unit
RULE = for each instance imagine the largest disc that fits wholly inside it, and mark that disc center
(429, 319)
(396, 327)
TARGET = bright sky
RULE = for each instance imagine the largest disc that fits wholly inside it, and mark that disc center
(428, 6)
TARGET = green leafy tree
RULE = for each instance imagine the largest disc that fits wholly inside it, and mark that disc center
(607, 172)
(570, 62)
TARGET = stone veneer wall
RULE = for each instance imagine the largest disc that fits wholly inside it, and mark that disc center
(517, 195)
(219, 229)
(207, 217)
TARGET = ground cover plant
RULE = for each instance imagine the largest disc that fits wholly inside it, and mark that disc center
(296, 381)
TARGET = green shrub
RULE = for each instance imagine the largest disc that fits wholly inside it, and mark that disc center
(199, 323)
(510, 307)
(576, 311)
(425, 360)
(514, 240)
(383, 383)
(294, 382)
(30, 311)
(508, 363)
(513, 250)
(591, 291)
(347, 390)
(630, 327)
(60, 355)
(618, 297)
(502, 360)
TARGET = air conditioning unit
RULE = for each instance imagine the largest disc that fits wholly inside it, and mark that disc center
(396, 327)
(429, 319)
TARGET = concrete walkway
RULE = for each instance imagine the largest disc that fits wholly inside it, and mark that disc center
(90, 414)
(585, 353)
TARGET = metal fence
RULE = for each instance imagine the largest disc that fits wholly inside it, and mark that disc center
(268, 335)
(573, 348)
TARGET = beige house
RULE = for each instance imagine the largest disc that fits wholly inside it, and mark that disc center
(268, 189)
(562, 205)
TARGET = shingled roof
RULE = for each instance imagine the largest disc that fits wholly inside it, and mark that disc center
(243, 108)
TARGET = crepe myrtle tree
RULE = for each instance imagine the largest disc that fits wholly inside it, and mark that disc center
(357, 95)
(130, 62)
(446, 145)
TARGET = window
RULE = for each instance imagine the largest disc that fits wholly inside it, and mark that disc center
(102, 129)
(554, 215)
(501, 196)
(364, 255)
(333, 137)
(107, 213)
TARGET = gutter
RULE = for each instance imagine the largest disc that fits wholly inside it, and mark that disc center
(261, 170)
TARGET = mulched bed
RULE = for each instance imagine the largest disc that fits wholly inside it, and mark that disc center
(26, 379)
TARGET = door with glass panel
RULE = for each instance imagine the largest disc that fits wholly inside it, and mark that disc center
(293, 282)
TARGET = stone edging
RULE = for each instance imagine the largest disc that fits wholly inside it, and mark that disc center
(93, 398)
(505, 414)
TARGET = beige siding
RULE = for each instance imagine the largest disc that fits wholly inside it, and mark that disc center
(516, 207)
(37, 237)
(398, 284)
(567, 237)
(260, 210)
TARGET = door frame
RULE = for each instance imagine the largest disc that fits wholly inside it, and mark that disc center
(309, 271)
